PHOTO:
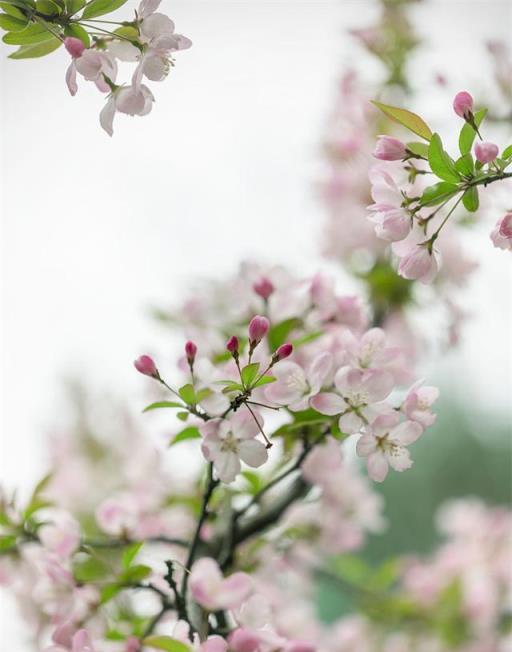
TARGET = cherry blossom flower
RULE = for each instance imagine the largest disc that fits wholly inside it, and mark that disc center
(486, 152)
(61, 534)
(389, 149)
(418, 402)
(294, 386)
(359, 398)
(212, 591)
(132, 100)
(501, 235)
(420, 263)
(392, 221)
(227, 442)
(384, 444)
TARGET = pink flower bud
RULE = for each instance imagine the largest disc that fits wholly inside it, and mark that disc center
(486, 152)
(419, 264)
(284, 351)
(263, 287)
(190, 351)
(389, 149)
(74, 46)
(506, 226)
(243, 640)
(146, 365)
(132, 644)
(232, 345)
(463, 104)
(258, 328)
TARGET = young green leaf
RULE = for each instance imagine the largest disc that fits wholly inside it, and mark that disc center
(165, 643)
(28, 36)
(7, 541)
(48, 8)
(249, 373)
(188, 394)
(279, 333)
(188, 433)
(163, 404)
(265, 380)
(467, 133)
(408, 119)
(74, 6)
(13, 10)
(130, 553)
(135, 574)
(438, 193)
(108, 592)
(420, 149)
(440, 163)
(37, 49)
(101, 7)
(470, 199)
(465, 165)
(182, 416)
(11, 23)
(507, 152)
(254, 481)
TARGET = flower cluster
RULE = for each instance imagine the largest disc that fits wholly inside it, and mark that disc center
(149, 41)
(410, 214)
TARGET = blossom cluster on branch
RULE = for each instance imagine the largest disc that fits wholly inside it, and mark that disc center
(96, 45)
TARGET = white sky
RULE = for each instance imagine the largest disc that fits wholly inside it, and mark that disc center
(94, 229)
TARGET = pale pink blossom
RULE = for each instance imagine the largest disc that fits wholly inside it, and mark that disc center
(389, 149)
(486, 152)
(501, 235)
(420, 263)
(358, 399)
(132, 100)
(418, 402)
(463, 104)
(295, 386)
(60, 534)
(227, 442)
(385, 442)
(212, 591)
(391, 219)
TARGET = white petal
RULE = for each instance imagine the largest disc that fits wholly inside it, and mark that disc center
(406, 433)
(227, 465)
(366, 445)
(107, 116)
(244, 425)
(399, 459)
(378, 384)
(253, 452)
(320, 368)
(350, 423)
(377, 466)
(328, 403)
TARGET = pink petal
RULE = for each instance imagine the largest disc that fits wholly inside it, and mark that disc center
(350, 423)
(406, 433)
(328, 403)
(234, 590)
(377, 466)
(227, 465)
(366, 445)
(378, 384)
(71, 78)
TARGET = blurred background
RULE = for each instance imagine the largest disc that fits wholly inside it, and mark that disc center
(95, 232)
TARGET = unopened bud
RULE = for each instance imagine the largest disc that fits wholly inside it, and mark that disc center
(284, 351)
(463, 104)
(146, 365)
(258, 328)
(190, 352)
(389, 149)
(486, 152)
(74, 46)
(232, 346)
(264, 287)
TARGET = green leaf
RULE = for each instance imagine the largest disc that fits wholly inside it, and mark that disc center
(108, 592)
(279, 333)
(507, 152)
(130, 553)
(165, 643)
(470, 199)
(101, 7)
(162, 404)
(12, 24)
(249, 373)
(73, 29)
(188, 433)
(12, 10)
(7, 541)
(408, 119)
(233, 387)
(203, 393)
(48, 8)
(188, 394)
(467, 133)
(440, 163)
(182, 416)
(420, 149)
(135, 574)
(438, 193)
(74, 6)
(465, 165)
(90, 570)
(254, 481)
(265, 380)
(28, 36)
